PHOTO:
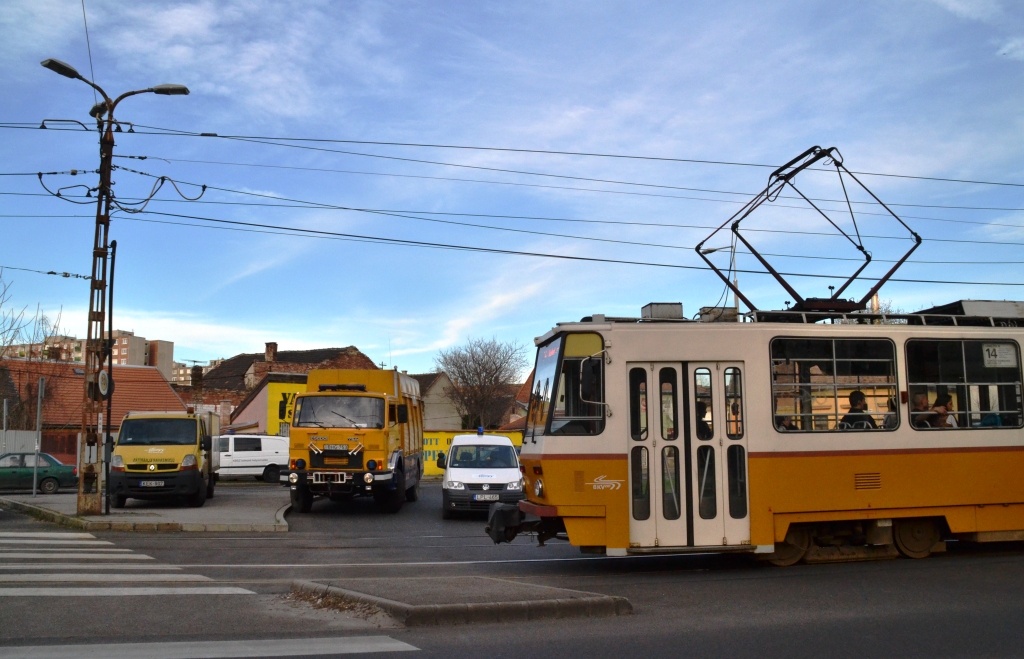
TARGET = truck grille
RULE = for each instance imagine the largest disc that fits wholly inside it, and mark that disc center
(145, 467)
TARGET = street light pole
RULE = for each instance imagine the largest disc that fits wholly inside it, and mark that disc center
(99, 383)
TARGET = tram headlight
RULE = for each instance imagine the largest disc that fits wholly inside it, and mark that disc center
(516, 486)
(454, 485)
(293, 478)
(538, 488)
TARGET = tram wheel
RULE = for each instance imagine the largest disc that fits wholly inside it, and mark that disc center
(793, 549)
(915, 537)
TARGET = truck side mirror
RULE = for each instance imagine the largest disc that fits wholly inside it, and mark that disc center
(442, 462)
(403, 413)
(207, 443)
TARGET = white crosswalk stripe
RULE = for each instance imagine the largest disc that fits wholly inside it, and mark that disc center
(215, 649)
(80, 569)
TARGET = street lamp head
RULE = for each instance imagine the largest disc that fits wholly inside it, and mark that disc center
(62, 68)
(171, 90)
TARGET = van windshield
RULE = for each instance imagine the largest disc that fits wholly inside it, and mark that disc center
(486, 456)
(338, 412)
(148, 432)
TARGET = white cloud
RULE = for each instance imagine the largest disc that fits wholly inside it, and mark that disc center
(1014, 49)
(978, 10)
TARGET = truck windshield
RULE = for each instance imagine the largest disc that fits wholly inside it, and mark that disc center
(147, 432)
(486, 456)
(338, 412)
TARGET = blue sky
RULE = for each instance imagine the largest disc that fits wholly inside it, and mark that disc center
(920, 87)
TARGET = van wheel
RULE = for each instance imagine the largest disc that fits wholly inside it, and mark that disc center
(120, 500)
(302, 501)
(413, 493)
(49, 486)
(272, 474)
(199, 498)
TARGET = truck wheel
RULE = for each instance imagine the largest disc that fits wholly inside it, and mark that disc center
(391, 500)
(120, 500)
(49, 486)
(272, 474)
(413, 493)
(199, 498)
(210, 486)
(302, 501)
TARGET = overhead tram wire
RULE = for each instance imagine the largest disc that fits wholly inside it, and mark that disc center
(495, 250)
(570, 153)
(65, 275)
(621, 192)
(270, 141)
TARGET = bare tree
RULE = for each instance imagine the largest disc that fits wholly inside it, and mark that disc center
(484, 374)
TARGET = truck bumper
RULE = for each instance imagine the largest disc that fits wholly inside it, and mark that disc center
(173, 484)
(323, 482)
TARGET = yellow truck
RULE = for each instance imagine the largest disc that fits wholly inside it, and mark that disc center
(165, 456)
(356, 433)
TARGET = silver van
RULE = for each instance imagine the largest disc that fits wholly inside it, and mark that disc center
(262, 456)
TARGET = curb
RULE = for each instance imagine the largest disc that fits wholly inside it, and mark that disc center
(45, 514)
(410, 615)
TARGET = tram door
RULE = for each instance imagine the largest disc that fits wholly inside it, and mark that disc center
(657, 458)
(718, 445)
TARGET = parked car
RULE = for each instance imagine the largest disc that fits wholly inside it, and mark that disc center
(483, 469)
(262, 456)
(16, 472)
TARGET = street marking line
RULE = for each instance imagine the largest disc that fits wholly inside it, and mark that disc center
(4, 550)
(103, 578)
(15, 534)
(444, 563)
(98, 557)
(85, 566)
(36, 541)
(128, 591)
(214, 649)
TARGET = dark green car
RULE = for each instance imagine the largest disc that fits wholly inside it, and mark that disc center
(16, 472)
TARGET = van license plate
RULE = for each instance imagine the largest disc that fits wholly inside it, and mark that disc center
(335, 447)
(485, 497)
(151, 483)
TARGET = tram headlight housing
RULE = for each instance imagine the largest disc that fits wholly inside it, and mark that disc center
(516, 486)
(538, 488)
(293, 478)
(367, 478)
(454, 485)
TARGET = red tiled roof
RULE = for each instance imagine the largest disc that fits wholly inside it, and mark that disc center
(136, 389)
(523, 396)
(518, 424)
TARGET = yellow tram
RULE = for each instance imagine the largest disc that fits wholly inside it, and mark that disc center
(787, 434)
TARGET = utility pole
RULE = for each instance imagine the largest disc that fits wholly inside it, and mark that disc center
(98, 382)
(41, 389)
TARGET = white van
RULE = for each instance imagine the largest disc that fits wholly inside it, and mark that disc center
(262, 456)
(479, 470)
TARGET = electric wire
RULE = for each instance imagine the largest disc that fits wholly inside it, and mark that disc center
(65, 275)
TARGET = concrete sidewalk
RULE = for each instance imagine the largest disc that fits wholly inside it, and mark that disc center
(416, 601)
(234, 508)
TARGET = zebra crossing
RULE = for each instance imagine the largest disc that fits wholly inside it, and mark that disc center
(66, 564)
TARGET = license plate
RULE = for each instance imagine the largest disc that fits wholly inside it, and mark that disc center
(485, 497)
(151, 483)
(335, 447)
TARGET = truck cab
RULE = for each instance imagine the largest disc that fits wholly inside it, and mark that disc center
(164, 456)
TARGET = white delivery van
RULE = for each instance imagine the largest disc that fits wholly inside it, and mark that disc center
(262, 456)
(478, 471)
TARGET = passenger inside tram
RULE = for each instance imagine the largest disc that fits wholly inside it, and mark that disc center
(857, 418)
(703, 429)
(784, 423)
(944, 413)
(921, 415)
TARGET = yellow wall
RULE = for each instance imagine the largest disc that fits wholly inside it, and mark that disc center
(440, 441)
(276, 392)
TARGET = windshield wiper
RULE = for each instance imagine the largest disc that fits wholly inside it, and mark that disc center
(354, 424)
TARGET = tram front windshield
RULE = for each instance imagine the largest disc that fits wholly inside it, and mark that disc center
(543, 381)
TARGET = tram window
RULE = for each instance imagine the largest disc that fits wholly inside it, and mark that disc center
(669, 404)
(670, 482)
(963, 384)
(638, 403)
(579, 405)
(737, 482)
(733, 403)
(707, 495)
(827, 385)
(702, 403)
(640, 472)
(540, 399)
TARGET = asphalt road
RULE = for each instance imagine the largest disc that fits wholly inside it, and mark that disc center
(968, 602)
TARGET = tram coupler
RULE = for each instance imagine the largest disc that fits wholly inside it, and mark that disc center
(506, 520)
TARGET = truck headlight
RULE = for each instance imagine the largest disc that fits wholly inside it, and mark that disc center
(188, 461)
(293, 478)
(538, 488)
(117, 462)
(516, 486)
(367, 478)
(454, 485)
